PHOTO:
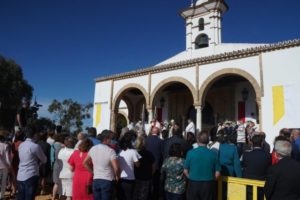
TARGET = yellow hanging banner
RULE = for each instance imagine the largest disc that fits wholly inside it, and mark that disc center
(98, 114)
(278, 103)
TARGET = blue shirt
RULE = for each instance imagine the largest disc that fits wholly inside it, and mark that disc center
(296, 149)
(95, 141)
(229, 160)
(31, 154)
(202, 164)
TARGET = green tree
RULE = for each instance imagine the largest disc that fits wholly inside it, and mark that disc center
(70, 114)
(13, 87)
(44, 123)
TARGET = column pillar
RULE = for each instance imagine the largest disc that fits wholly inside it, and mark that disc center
(198, 118)
(113, 118)
(259, 114)
(183, 120)
(150, 115)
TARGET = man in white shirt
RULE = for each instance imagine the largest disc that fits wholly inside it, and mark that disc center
(241, 137)
(31, 155)
(105, 167)
(50, 139)
(190, 127)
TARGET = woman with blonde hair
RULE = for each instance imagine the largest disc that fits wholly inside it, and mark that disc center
(82, 179)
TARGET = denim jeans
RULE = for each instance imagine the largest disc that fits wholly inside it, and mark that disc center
(27, 189)
(102, 189)
(240, 148)
(173, 196)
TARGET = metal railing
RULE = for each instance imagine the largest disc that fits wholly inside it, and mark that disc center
(237, 188)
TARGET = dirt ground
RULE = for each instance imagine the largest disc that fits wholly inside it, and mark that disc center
(47, 196)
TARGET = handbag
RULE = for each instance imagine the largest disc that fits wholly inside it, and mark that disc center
(89, 188)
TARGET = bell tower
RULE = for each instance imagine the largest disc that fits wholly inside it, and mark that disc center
(203, 23)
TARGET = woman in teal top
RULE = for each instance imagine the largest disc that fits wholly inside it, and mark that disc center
(172, 168)
(229, 158)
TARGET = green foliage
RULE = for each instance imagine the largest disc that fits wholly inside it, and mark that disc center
(69, 113)
(13, 87)
(44, 123)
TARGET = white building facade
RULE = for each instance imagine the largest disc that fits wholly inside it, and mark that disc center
(210, 81)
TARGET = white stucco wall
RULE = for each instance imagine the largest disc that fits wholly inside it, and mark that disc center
(102, 91)
(123, 105)
(281, 68)
(102, 105)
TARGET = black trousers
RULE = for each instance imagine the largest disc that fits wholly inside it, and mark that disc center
(156, 192)
(200, 190)
(126, 189)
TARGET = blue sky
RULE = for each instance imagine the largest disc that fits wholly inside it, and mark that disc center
(63, 45)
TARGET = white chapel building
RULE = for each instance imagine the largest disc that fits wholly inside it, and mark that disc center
(209, 81)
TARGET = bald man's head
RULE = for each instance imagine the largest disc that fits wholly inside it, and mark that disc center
(155, 131)
(295, 133)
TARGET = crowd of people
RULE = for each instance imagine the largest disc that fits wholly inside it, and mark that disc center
(166, 163)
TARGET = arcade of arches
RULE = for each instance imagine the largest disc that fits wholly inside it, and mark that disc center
(228, 97)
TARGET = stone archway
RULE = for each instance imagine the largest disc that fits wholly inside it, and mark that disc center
(125, 116)
(171, 80)
(121, 121)
(130, 108)
(227, 72)
(127, 87)
(121, 95)
(212, 79)
(178, 95)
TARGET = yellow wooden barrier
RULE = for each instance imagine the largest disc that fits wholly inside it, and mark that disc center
(236, 187)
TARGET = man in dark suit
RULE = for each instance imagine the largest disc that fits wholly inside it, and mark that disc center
(176, 138)
(295, 136)
(256, 162)
(283, 179)
(155, 145)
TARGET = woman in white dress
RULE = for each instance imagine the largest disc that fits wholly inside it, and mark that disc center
(66, 174)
